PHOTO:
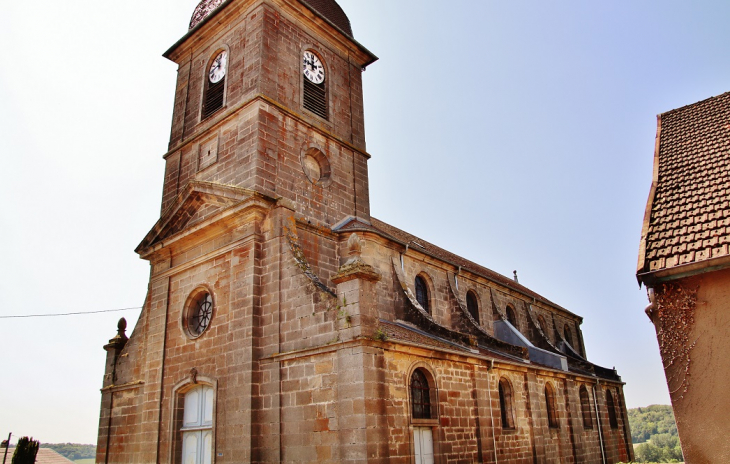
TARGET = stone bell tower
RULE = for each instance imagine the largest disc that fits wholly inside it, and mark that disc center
(267, 136)
(251, 112)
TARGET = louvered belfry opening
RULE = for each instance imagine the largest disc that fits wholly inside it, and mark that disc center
(213, 100)
(315, 98)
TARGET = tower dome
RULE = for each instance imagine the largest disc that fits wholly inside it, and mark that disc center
(328, 9)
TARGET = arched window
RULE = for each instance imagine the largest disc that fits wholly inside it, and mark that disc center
(472, 305)
(568, 336)
(543, 324)
(215, 84)
(552, 413)
(314, 84)
(585, 407)
(422, 293)
(511, 316)
(423, 414)
(505, 404)
(420, 396)
(197, 425)
(611, 406)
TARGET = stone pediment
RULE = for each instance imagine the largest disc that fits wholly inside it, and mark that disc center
(197, 203)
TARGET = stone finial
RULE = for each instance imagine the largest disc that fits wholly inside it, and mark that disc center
(516, 279)
(122, 327)
(355, 267)
(354, 248)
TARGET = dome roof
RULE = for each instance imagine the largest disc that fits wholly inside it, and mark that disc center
(329, 9)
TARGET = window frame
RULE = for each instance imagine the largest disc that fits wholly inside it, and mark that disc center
(426, 372)
(511, 316)
(506, 404)
(611, 408)
(325, 84)
(552, 411)
(190, 306)
(177, 411)
(426, 291)
(206, 83)
(473, 309)
(585, 405)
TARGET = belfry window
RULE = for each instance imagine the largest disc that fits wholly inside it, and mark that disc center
(314, 84)
(585, 406)
(552, 413)
(197, 425)
(215, 84)
(472, 305)
(505, 404)
(422, 293)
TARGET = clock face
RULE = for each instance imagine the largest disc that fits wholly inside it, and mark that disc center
(312, 68)
(218, 68)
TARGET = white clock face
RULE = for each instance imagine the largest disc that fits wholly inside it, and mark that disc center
(218, 68)
(312, 68)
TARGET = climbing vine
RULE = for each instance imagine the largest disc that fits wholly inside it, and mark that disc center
(675, 308)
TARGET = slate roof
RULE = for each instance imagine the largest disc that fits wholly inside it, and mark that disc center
(687, 219)
(399, 235)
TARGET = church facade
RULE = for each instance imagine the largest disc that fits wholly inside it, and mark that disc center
(284, 323)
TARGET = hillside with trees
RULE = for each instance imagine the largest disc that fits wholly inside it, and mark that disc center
(654, 430)
(72, 451)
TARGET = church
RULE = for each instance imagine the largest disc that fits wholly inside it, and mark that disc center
(285, 324)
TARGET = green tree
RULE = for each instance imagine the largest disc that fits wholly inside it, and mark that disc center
(25, 451)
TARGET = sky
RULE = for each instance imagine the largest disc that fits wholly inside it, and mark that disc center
(518, 134)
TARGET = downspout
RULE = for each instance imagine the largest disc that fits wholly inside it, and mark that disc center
(491, 414)
(598, 419)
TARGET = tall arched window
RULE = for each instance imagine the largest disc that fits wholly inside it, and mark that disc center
(568, 336)
(585, 407)
(611, 406)
(512, 317)
(215, 84)
(552, 413)
(543, 324)
(505, 404)
(422, 293)
(197, 425)
(423, 415)
(472, 304)
(420, 396)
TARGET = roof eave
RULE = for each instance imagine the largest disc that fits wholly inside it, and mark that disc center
(684, 270)
(641, 265)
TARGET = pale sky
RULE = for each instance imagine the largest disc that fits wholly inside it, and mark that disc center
(518, 134)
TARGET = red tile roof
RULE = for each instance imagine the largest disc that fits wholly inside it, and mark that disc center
(44, 456)
(688, 213)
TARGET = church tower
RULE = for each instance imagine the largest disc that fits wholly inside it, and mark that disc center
(269, 98)
(267, 133)
(284, 324)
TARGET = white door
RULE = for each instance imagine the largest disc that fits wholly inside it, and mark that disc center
(197, 447)
(423, 445)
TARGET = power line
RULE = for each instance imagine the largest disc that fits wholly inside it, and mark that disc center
(69, 314)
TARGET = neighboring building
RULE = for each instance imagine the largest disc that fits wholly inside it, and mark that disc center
(283, 323)
(684, 262)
